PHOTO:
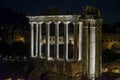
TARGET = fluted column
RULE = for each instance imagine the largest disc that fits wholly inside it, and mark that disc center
(57, 40)
(40, 39)
(32, 40)
(66, 41)
(80, 41)
(92, 50)
(48, 41)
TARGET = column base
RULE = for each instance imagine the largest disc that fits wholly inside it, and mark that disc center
(50, 59)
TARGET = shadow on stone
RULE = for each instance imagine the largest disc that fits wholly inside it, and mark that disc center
(44, 76)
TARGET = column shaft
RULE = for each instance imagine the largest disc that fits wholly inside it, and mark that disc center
(57, 40)
(75, 55)
(48, 41)
(32, 40)
(66, 41)
(40, 39)
(98, 69)
(80, 41)
(92, 52)
(36, 40)
(85, 50)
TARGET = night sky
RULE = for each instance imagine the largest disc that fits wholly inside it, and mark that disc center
(110, 9)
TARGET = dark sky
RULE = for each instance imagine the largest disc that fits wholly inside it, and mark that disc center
(110, 9)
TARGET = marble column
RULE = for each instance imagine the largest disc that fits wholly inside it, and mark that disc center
(36, 40)
(57, 40)
(48, 41)
(80, 41)
(98, 64)
(92, 50)
(40, 39)
(32, 40)
(66, 41)
(75, 53)
(85, 49)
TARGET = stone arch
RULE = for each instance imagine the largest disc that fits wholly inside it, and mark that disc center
(111, 44)
(108, 43)
(116, 47)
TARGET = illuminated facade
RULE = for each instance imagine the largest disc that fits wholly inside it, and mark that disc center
(86, 44)
(20, 36)
(111, 41)
(112, 67)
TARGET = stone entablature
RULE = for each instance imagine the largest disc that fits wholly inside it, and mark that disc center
(54, 18)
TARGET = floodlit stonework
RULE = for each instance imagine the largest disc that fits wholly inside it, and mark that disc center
(76, 59)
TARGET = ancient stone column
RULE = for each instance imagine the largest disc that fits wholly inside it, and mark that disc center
(85, 49)
(80, 41)
(48, 41)
(40, 39)
(75, 52)
(66, 41)
(95, 61)
(92, 47)
(98, 64)
(32, 40)
(36, 39)
(57, 40)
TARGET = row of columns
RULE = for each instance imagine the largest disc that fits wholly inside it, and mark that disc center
(36, 39)
(88, 41)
